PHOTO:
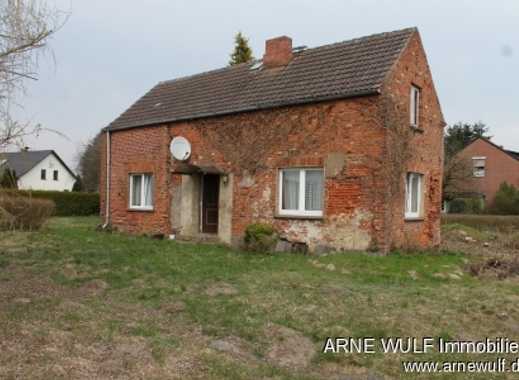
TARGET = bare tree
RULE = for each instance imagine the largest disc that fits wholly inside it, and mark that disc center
(457, 174)
(26, 26)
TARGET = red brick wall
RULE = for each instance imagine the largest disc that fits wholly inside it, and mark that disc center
(426, 148)
(141, 150)
(500, 167)
(253, 146)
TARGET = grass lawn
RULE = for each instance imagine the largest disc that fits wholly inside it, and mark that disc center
(76, 303)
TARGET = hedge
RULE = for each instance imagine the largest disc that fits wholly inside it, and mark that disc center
(67, 203)
(466, 206)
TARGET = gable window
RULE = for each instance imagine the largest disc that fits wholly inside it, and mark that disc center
(478, 166)
(43, 174)
(413, 195)
(55, 175)
(415, 106)
(301, 192)
(141, 191)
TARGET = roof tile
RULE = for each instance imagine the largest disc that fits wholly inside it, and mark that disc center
(345, 69)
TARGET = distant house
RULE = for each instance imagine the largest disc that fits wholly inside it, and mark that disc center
(38, 170)
(491, 166)
(339, 147)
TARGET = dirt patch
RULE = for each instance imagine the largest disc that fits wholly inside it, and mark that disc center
(288, 348)
(173, 308)
(93, 288)
(221, 288)
(500, 267)
(459, 238)
(234, 347)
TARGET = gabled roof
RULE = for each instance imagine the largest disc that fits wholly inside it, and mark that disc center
(346, 69)
(511, 153)
(22, 162)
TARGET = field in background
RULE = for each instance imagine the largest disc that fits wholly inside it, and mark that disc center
(76, 303)
(504, 223)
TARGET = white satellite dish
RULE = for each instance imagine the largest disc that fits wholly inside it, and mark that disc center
(180, 148)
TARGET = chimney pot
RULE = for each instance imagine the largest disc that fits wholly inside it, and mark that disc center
(278, 52)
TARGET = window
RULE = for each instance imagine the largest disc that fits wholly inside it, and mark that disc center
(301, 192)
(55, 175)
(415, 106)
(478, 166)
(141, 191)
(413, 195)
(43, 174)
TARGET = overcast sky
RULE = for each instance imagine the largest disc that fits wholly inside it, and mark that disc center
(110, 52)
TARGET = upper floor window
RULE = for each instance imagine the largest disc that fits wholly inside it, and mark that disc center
(55, 175)
(478, 166)
(415, 106)
(141, 191)
(301, 192)
(413, 195)
(43, 174)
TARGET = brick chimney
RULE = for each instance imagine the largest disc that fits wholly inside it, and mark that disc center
(278, 52)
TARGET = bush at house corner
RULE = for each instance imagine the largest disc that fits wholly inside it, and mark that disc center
(67, 203)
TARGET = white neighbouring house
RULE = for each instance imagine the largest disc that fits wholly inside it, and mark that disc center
(38, 170)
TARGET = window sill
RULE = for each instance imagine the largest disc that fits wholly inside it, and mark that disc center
(414, 219)
(141, 209)
(301, 217)
(417, 129)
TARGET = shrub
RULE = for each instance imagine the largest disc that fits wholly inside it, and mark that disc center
(260, 237)
(466, 206)
(507, 200)
(24, 213)
(66, 203)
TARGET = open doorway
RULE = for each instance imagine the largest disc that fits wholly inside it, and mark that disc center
(210, 199)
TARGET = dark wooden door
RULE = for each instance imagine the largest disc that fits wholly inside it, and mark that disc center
(211, 188)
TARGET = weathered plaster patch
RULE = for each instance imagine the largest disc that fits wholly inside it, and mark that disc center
(334, 164)
(261, 207)
(341, 232)
(247, 179)
(225, 209)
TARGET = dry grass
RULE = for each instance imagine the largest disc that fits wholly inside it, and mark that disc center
(24, 213)
(80, 304)
(503, 223)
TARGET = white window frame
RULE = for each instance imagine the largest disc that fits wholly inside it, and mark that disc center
(301, 201)
(414, 106)
(408, 196)
(141, 206)
(479, 175)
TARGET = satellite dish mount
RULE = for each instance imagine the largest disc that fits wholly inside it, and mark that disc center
(180, 148)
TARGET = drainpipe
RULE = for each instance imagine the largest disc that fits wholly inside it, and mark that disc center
(107, 197)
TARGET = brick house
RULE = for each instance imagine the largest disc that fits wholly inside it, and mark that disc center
(339, 147)
(491, 166)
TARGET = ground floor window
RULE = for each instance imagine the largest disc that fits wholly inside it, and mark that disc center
(301, 192)
(413, 195)
(141, 191)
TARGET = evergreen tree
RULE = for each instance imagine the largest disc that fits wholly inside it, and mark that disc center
(89, 164)
(8, 179)
(459, 135)
(242, 52)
